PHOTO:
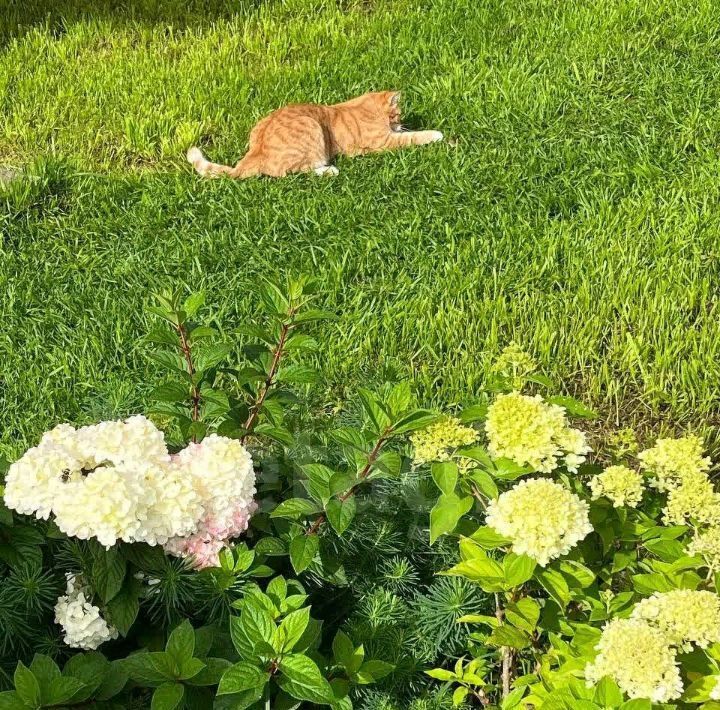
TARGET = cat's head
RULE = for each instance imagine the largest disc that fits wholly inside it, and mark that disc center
(389, 104)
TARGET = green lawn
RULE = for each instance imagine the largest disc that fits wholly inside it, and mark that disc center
(576, 209)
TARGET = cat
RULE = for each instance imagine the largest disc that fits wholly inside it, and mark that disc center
(305, 137)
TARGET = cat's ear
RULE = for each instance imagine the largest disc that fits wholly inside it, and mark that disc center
(393, 98)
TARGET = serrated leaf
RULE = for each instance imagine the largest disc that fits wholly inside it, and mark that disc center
(373, 670)
(488, 539)
(108, 574)
(301, 678)
(211, 674)
(181, 642)
(506, 635)
(123, 608)
(340, 513)
(314, 314)
(193, 303)
(293, 626)
(278, 434)
(303, 549)
(343, 648)
(298, 375)
(294, 508)
(26, 685)
(168, 696)
(212, 355)
(518, 569)
(242, 676)
(418, 419)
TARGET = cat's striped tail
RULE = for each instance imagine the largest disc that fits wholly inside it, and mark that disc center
(208, 169)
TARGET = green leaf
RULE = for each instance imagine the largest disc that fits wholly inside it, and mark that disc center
(574, 407)
(292, 628)
(473, 413)
(446, 513)
(459, 695)
(108, 574)
(481, 570)
(445, 475)
(373, 670)
(576, 574)
(113, 681)
(340, 513)
(283, 436)
(91, 669)
(303, 549)
(294, 508)
(484, 483)
(44, 669)
(193, 303)
(400, 398)
(343, 648)
(257, 622)
(699, 691)
(212, 355)
(168, 696)
(301, 678)
(27, 686)
(211, 674)
(648, 584)
(314, 314)
(375, 411)
(607, 693)
(524, 614)
(418, 419)
(170, 392)
(200, 332)
(506, 635)
(151, 668)
(488, 539)
(9, 700)
(555, 585)
(123, 608)
(441, 674)
(181, 642)
(318, 483)
(297, 374)
(518, 569)
(63, 689)
(242, 676)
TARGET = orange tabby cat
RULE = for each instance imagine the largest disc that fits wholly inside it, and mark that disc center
(306, 137)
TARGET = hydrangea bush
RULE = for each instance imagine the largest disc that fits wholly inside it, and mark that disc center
(603, 573)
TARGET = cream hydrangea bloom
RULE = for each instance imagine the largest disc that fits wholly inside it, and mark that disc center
(671, 460)
(715, 692)
(532, 432)
(82, 625)
(116, 481)
(543, 519)
(684, 616)
(694, 499)
(620, 484)
(439, 441)
(639, 659)
(707, 544)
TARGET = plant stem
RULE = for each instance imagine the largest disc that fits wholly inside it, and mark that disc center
(187, 352)
(372, 456)
(506, 651)
(269, 381)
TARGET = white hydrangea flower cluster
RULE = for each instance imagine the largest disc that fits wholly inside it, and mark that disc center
(685, 616)
(543, 519)
(532, 432)
(640, 652)
(620, 484)
(707, 544)
(639, 659)
(682, 471)
(83, 626)
(116, 481)
(221, 472)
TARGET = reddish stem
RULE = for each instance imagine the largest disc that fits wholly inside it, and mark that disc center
(269, 381)
(187, 352)
(372, 456)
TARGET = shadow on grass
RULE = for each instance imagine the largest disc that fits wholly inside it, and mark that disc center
(20, 16)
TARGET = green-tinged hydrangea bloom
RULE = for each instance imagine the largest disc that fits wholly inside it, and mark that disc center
(439, 441)
(515, 364)
(639, 659)
(620, 484)
(707, 545)
(543, 519)
(694, 499)
(531, 432)
(671, 460)
(684, 616)
(715, 692)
